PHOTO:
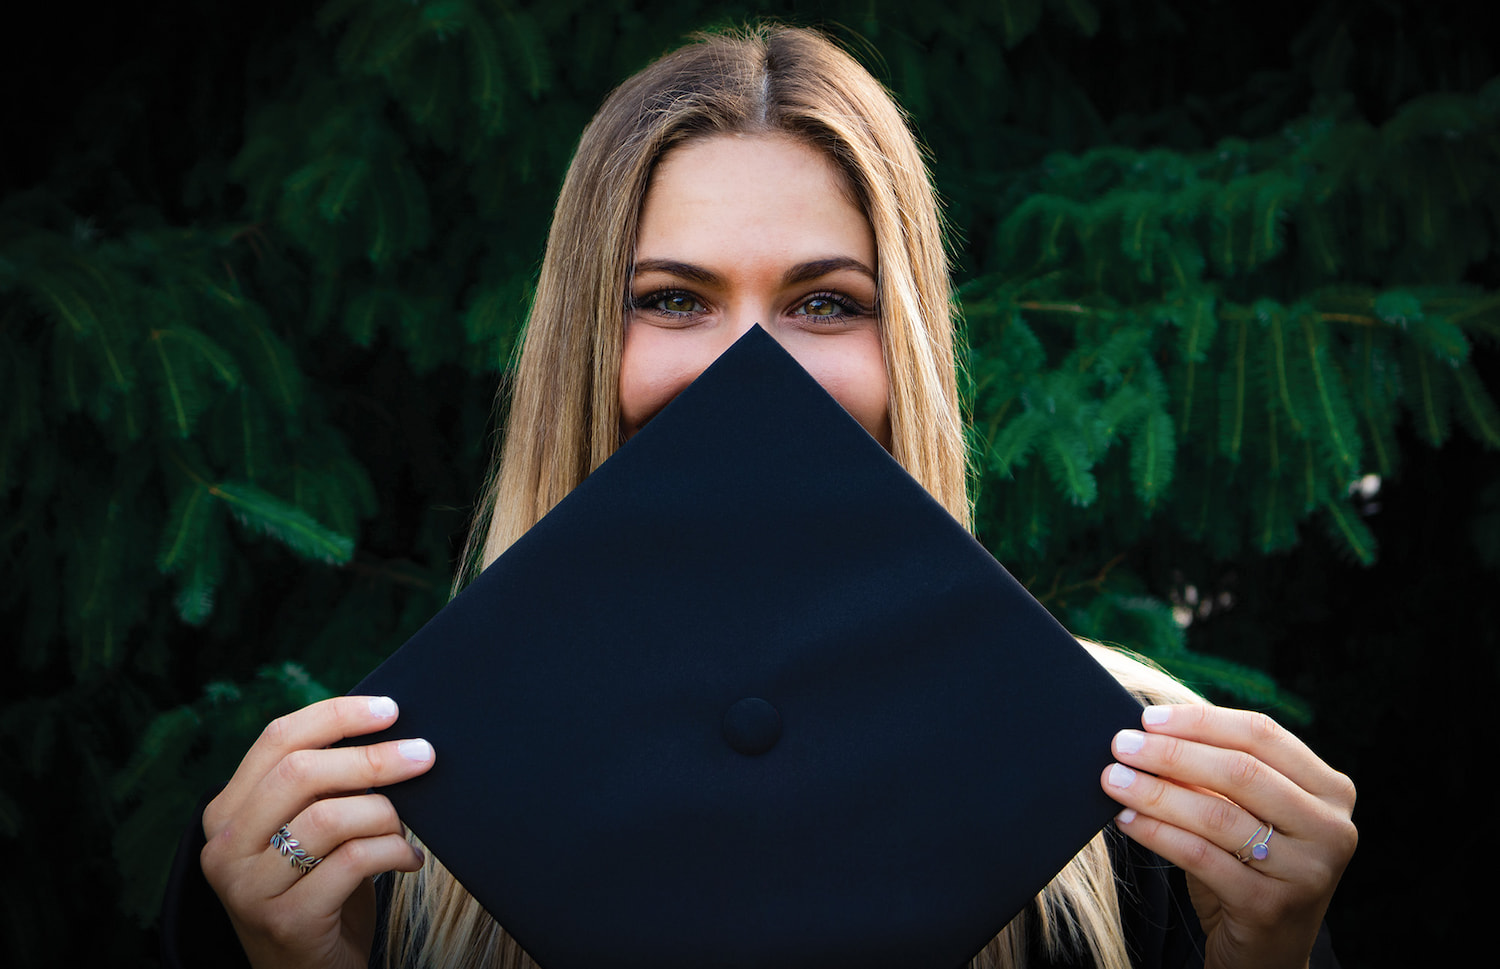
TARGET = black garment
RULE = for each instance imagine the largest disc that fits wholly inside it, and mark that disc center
(1160, 926)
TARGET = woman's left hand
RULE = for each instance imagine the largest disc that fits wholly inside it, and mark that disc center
(1204, 787)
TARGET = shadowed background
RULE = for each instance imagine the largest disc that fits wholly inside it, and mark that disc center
(1229, 272)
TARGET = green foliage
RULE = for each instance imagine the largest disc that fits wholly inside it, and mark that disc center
(247, 389)
(1144, 271)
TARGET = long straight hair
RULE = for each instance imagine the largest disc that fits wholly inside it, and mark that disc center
(564, 417)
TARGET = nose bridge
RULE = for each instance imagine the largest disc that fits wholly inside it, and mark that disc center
(748, 311)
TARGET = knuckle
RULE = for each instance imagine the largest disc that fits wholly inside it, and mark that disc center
(1263, 729)
(319, 821)
(275, 733)
(1221, 817)
(345, 713)
(1345, 839)
(1191, 717)
(1197, 852)
(211, 860)
(295, 768)
(215, 817)
(1170, 752)
(357, 853)
(1244, 771)
(375, 764)
(389, 819)
(1343, 791)
(1152, 796)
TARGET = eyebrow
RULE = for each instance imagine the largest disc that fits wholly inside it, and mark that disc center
(800, 273)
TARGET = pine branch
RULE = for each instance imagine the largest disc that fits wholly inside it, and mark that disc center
(267, 515)
(1351, 532)
(1331, 400)
(1479, 408)
(1152, 454)
(184, 529)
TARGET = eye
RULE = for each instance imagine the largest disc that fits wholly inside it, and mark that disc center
(673, 302)
(829, 306)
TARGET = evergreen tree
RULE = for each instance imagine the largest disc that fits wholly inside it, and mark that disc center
(1226, 273)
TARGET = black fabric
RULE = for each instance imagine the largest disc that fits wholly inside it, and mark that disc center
(749, 696)
(195, 929)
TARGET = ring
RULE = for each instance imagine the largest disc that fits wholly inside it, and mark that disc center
(1259, 847)
(293, 852)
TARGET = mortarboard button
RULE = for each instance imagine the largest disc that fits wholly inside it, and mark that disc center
(752, 726)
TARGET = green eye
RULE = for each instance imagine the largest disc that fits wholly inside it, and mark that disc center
(669, 303)
(829, 306)
(678, 303)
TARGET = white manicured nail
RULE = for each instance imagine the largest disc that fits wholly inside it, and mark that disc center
(1156, 715)
(1121, 776)
(1126, 816)
(382, 706)
(1129, 741)
(418, 750)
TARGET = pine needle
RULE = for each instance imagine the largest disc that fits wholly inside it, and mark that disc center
(291, 526)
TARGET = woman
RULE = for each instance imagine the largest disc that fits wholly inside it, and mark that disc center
(768, 179)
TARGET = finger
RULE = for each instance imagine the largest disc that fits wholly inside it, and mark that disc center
(312, 727)
(320, 829)
(304, 776)
(1242, 778)
(1255, 734)
(343, 869)
(1228, 878)
(312, 908)
(1216, 820)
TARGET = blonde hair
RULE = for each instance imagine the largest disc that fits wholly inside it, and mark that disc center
(564, 417)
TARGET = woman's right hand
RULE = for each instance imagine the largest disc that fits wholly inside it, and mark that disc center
(326, 916)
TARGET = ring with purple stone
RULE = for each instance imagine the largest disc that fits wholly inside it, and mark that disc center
(1259, 847)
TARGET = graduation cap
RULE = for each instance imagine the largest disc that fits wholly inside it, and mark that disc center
(750, 697)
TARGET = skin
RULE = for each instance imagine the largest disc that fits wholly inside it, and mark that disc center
(744, 229)
(327, 916)
(1196, 783)
(737, 231)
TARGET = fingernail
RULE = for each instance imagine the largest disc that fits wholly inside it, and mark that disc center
(422, 855)
(1129, 741)
(382, 706)
(1121, 776)
(1155, 715)
(1126, 816)
(418, 750)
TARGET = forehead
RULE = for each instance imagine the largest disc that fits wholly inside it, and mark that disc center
(740, 188)
(719, 150)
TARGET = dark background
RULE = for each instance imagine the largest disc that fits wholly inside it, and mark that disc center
(126, 120)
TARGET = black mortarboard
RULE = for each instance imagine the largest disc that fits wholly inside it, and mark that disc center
(750, 697)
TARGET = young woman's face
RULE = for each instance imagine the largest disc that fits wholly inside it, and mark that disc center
(744, 229)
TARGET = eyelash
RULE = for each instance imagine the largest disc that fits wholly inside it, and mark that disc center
(648, 303)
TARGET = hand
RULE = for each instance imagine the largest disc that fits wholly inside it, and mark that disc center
(325, 916)
(1219, 774)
